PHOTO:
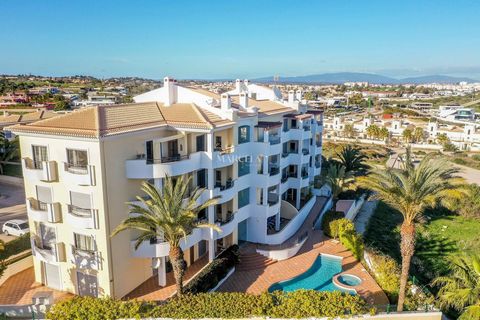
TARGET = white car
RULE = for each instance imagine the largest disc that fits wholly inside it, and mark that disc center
(15, 227)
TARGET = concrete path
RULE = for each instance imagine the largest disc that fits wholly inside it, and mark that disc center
(469, 174)
(363, 216)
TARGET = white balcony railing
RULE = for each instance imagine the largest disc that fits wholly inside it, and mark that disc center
(40, 170)
(44, 212)
(82, 218)
(83, 175)
(55, 252)
(85, 259)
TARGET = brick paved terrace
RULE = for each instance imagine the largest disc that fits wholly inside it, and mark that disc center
(20, 288)
(259, 280)
(150, 290)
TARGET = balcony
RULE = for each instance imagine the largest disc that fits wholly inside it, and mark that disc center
(226, 150)
(86, 259)
(223, 221)
(228, 184)
(304, 173)
(44, 212)
(40, 170)
(274, 171)
(54, 253)
(274, 139)
(82, 218)
(83, 175)
(273, 199)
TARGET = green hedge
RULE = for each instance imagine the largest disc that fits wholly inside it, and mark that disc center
(209, 277)
(16, 246)
(297, 304)
(328, 217)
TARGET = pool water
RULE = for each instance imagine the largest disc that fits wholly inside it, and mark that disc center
(317, 277)
(349, 280)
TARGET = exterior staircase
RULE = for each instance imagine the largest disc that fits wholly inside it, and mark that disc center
(253, 261)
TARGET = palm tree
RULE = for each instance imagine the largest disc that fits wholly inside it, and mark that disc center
(383, 133)
(170, 214)
(9, 150)
(349, 130)
(443, 139)
(372, 131)
(418, 134)
(352, 159)
(410, 190)
(407, 135)
(461, 288)
(338, 178)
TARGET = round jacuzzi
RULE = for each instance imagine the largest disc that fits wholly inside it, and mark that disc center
(349, 280)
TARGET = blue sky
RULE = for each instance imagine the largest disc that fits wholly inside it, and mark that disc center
(242, 38)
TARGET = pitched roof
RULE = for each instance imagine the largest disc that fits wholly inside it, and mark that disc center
(266, 107)
(101, 121)
(27, 117)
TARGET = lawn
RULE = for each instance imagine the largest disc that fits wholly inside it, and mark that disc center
(443, 235)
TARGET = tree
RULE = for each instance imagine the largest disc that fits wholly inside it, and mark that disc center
(372, 131)
(355, 99)
(461, 288)
(407, 135)
(443, 139)
(309, 96)
(337, 178)
(418, 134)
(349, 130)
(9, 150)
(383, 133)
(169, 214)
(469, 205)
(410, 190)
(352, 159)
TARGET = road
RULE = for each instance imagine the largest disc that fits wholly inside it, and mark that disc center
(469, 174)
(12, 205)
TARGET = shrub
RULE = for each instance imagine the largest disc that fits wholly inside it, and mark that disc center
(353, 241)
(460, 161)
(297, 304)
(386, 272)
(16, 246)
(328, 217)
(476, 157)
(89, 308)
(209, 277)
(339, 227)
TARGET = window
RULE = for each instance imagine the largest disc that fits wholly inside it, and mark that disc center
(243, 198)
(259, 196)
(243, 166)
(243, 134)
(202, 178)
(77, 158)
(200, 143)
(260, 164)
(149, 151)
(39, 155)
(83, 242)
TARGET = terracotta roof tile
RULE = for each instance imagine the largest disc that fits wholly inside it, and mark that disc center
(100, 121)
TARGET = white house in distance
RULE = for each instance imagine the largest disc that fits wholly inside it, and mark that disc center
(258, 151)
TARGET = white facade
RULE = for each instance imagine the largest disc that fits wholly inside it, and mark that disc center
(260, 155)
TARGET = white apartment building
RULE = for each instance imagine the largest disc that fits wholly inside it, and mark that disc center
(257, 151)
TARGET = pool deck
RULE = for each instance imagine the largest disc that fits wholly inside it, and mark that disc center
(259, 280)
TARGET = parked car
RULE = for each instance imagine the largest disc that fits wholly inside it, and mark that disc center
(15, 227)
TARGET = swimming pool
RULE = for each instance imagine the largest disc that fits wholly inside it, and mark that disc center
(317, 277)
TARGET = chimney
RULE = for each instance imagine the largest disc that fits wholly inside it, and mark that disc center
(170, 86)
(243, 100)
(238, 85)
(291, 96)
(225, 102)
(5, 113)
(246, 82)
(298, 95)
